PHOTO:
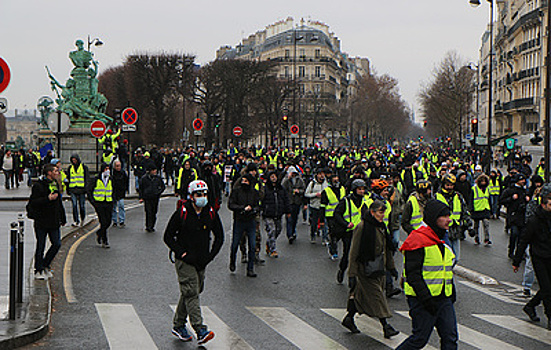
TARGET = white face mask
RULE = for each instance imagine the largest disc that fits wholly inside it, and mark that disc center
(106, 173)
(201, 202)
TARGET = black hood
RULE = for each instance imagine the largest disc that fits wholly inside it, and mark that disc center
(433, 210)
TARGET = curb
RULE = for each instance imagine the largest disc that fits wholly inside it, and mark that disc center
(35, 315)
(474, 276)
(66, 198)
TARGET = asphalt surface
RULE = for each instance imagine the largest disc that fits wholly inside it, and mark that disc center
(136, 271)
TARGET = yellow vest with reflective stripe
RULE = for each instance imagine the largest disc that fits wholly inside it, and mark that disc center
(77, 177)
(352, 213)
(455, 208)
(494, 186)
(258, 153)
(437, 271)
(103, 193)
(481, 200)
(332, 200)
(272, 159)
(540, 170)
(179, 183)
(340, 161)
(413, 174)
(416, 217)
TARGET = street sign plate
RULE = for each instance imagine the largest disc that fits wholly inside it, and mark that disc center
(98, 128)
(294, 129)
(469, 137)
(481, 140)
(128, 128)
(237, 131)
(510, 143)
(3, 105)
(60, 125)
(129, 116)
(197, 124)
(197, 132)
(5, 74)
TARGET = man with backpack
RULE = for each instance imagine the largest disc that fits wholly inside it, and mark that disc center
(188, 237)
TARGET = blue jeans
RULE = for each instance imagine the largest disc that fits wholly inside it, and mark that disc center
(528, 277)
(79, 200)
(423, 323)
(40, 261)
(513, 239)
(239, 229)
(456, 247)
(118, 206)
(292, 220)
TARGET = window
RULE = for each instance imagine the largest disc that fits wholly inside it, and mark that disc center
(302, 54)
(317, 53)
(318, 71)
(287, 54)
(301, 72)
(286, 72)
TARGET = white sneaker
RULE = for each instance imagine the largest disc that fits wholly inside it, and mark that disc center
(75, 224)
(48, 273)
(40, 276)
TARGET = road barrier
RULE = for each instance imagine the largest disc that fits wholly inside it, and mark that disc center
(17, 236)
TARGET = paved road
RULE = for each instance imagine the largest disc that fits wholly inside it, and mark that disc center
(124, 298)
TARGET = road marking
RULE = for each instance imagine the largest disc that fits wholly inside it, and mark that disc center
(476, 339)
(123, 327)
(225, 338)
(67, 278)
(491, 293)
(295, 330)
(371, 327)
(519, 326)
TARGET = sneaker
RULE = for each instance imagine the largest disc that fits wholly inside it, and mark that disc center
(232, 266)
(48, 272)
(274, 254)
(527, 292)
(488, 243)
(182, 333)
(106, 245)
(313, 240)
(292, 239)
(204, 335)
(98, 239)
(325, 242)
(40, 276)
(82, 223)
(348, 322)
(114, 224)
(250, 273)
(122, 225)
(335, 257)
(258, 260)
(393, 291)
(389, 331)
(531, 312)
(75, 224)
(244, 259)
(476, 240)
(340, 277)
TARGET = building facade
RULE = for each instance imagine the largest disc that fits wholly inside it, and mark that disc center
(23, 124)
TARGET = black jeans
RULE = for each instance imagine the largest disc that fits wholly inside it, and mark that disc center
(10, 178)
(40, 261)
(105, 212)
(151, 207)
(542, 268)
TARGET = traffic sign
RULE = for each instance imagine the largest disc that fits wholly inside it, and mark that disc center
(98, 128)
(59, 122)
(186, 134)
(510, 143)
(3, 105)
(128, 128)
(469, 137)
(129, 116)
(5, 75)
(197, 124)
(294, 129)
(237, 131)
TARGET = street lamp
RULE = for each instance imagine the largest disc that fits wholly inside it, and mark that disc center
(547, 140)
(95, 41)
(476, 3)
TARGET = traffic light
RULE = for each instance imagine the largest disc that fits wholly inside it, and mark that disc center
(217, 121)
(285, 121)
(425, 124)
(474, 126)
(117, 119)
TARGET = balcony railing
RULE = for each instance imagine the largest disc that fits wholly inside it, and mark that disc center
(516, 104)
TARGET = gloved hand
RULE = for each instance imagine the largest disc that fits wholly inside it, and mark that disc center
(431, 306)
(351, 282)
(394, 273)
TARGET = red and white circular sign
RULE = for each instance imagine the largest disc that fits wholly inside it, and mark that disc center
(294, 129)
(98, 129)
(129, 116)
(5, 75)
(237, 131)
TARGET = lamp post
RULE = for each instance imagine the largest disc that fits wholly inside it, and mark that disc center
(95, 41)
(476, 3)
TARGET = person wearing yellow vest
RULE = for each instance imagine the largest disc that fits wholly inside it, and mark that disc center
(77, 180)
(481, 209)
(48, 214)
(62, 176)
(412, 217)
(348, 215)
(460, 215)
(329, 200)
(495, 191)
(540, 169)
(109, 140)
(370, 258)
(186, 175)
(100, 196)
(428, 278)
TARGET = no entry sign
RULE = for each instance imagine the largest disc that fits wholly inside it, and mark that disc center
(197, 124)
(237, 131)
(294, 129)
(5, 75)
(129, 116)
(98, 129)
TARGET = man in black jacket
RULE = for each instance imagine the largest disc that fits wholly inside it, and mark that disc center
(245, 204)
(151, 187)
(538, 235)
(274, 203)
(48, 214)
(515, 199)
(188, 236)
(120, 187)
(100, 195)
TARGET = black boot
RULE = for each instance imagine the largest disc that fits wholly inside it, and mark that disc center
(389, 331)
(348, 322)
(531, 312)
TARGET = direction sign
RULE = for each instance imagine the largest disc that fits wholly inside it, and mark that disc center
(237, 131)
(294, 129)
(510, 143)
(5, 75)
(98, 128)
(197, 124)
(128, 128)
(3, 105)
(129, 116)
(197, 132)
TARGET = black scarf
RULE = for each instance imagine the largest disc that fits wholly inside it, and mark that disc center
(369, 235)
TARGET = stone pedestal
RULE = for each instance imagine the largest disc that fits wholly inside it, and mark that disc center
(81, 142)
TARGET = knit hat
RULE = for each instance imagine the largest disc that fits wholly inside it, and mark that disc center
(433, 210)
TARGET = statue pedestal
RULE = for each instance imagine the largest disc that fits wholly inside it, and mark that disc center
(81, 142)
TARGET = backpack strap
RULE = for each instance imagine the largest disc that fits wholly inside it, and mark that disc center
(183, 213)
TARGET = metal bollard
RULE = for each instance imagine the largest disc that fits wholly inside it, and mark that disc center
(20, 251)
(14, 235)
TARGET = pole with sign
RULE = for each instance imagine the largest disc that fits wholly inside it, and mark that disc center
(5, 75)
(97, 129)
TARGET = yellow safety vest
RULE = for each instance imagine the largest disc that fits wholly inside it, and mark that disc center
(352, 213)
(540, 171)
(272, 159)
(77, 177)
(179, 184)
(494, 187)
(103, 193)
(455, 208)
(340, 161)
(437, 271)
(481, 200)
(259, 153)
(333, 201)
(416, 217)
(386, 219)
(413, 174)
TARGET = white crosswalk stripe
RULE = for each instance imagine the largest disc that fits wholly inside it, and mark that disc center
(295, 330)
(372, 328)
(492, 292)
(123, 327)
(475, 338)
(519, 326)
(225, 338)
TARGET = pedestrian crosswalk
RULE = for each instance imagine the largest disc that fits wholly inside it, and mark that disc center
(124, 330)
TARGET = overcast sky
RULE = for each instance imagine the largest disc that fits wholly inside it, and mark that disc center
(404, 38)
